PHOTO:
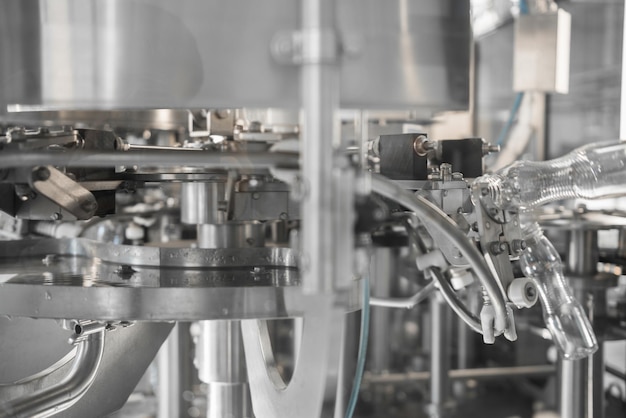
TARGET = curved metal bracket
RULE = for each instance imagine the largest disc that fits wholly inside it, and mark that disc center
(303, 396)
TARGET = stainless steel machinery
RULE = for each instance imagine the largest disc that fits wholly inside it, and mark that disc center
(235, 186)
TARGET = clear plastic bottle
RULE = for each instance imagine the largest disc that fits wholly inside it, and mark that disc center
(564, 316)
(589, 172)
(592, 171)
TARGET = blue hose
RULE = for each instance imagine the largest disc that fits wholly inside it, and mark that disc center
(360, 363)
(523, 7)
(504, 133)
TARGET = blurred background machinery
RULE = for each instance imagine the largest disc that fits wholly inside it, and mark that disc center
(312, 208)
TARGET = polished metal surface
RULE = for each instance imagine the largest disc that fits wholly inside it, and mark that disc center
(581, 219)
(175, 373)
(318, 364)
(200, 202)
(232, 235)
(54, 399)
(542, 52)
(221, 364)
(174, 157)
(162, 284)
(582, 381)
(383, 267)
(439, 357)
(48, 251)
(23, 338)
(88, 55)
(321, 175)
(489, 373)
(128, 353)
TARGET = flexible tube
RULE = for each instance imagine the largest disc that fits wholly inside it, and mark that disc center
(405, 303)
(360, 364)
(449, 230)
(66, 393)
(504, 133)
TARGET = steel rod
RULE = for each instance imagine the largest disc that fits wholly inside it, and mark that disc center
(160, 158)
(465, 374)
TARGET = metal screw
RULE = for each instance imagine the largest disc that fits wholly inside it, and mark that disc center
(497, 247)
(531, 291)
(446, 171)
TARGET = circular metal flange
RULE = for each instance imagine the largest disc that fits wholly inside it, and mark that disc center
(161, 303)
(78, 278)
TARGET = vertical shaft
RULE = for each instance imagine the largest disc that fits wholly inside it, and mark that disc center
(319, 90)
(175, 375)
(384, 266)
(439, 359)
(220, 362)
(219, 352)
(581, 381)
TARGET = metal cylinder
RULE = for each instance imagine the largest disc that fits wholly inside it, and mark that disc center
(174, 371)
(200, 202)
(219, 347)
(439, 358)
(582, 256)
(383, 267)
(581, 381)
(221, 364)
(231, 235)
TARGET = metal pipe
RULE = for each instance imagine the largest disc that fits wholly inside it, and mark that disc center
(405, 303)
(66, 393)
(439, 361)
(582, 256)
(175, 372)
(225, 160)
(319, 88)
(581, 381)
(219, 346)
(221, 365)
(440, 221)
(464, 374)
